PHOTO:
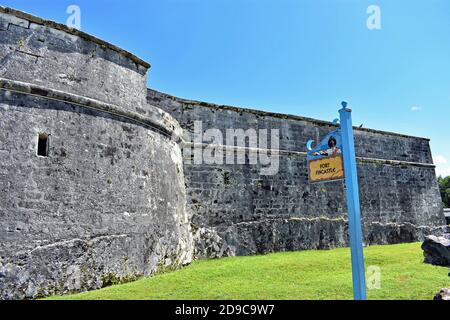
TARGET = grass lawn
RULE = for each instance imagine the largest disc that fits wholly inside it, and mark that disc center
(290, 275)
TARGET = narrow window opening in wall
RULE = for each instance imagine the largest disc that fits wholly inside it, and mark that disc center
(42, 148)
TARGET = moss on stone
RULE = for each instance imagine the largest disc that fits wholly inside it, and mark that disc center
(110, 279)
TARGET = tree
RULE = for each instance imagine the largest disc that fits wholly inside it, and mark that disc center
(444, 187)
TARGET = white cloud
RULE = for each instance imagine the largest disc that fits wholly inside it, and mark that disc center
(441, 166)
(439, 160)
(415, 108)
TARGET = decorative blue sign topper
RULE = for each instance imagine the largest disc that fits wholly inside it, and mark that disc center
(331, 145)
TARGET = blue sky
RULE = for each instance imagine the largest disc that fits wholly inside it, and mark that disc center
(300, 56)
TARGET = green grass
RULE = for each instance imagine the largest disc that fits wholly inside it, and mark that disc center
(290, 275)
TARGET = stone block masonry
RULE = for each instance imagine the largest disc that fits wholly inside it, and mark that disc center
(249, 213)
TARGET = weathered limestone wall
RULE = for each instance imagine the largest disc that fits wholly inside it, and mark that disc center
(236, 210)
(108, 203)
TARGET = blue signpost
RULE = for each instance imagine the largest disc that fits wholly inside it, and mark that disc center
(353, 206)
(325, 165)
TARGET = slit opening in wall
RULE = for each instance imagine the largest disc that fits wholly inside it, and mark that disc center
(43, 145)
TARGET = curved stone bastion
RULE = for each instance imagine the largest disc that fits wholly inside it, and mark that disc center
(91, 176)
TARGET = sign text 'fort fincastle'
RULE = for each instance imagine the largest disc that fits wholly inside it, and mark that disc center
(325, 160)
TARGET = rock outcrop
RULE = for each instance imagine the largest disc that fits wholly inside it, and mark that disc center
(444, 294)
(437, 250)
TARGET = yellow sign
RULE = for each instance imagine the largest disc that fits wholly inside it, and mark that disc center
(326, 169)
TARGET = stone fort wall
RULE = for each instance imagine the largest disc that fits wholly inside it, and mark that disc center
(236, 210)
(108, 202)
(112, 198)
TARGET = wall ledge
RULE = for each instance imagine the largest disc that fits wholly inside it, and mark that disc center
(159, 120)
(274, 115)
(304, 154)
